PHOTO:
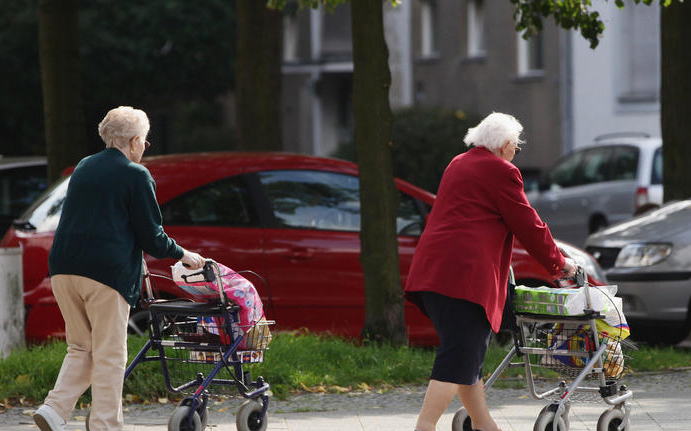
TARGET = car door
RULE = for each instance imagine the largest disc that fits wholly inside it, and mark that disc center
(312, 251)
(555, 192)
(219, 221)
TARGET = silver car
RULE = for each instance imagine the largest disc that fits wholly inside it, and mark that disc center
(595, 186)
(649, 258)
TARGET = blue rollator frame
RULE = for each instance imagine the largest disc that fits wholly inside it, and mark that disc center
(194, 343)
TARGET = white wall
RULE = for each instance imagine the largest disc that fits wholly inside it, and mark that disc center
(596, 79)
(398, 33)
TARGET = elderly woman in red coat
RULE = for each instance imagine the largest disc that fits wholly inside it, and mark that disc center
(460, 270)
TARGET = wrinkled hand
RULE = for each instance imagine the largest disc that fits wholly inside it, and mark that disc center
(570, 268)
(192, 260)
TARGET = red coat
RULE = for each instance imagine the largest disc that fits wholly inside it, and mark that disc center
(465, 249)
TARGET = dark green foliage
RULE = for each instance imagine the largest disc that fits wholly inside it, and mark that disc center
(568, 14)
(21, 105)
(424, 142)
(172, 58)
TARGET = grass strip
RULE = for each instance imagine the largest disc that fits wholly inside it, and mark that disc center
(295, 361)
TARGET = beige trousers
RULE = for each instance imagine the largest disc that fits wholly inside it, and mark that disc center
(96, 328)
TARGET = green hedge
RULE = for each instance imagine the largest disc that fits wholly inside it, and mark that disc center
(424, 141)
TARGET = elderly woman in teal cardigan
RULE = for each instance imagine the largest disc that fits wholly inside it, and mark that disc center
(110, 216)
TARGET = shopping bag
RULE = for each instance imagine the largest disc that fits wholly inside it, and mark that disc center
(251, 322)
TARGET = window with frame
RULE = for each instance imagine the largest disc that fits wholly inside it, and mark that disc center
(476, 28)
(639, 65)
(291, 32)
(428, 37)
(530, 55)
(327, 201)
(226, 202)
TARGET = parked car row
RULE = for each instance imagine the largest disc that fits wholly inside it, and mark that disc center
(610, 181)
(293, 219)
(649, 258)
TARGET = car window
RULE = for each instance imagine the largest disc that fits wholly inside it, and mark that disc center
(313, 199)
(625, 163)
(566, 172)
(596, 166)
(19, 187)
(656, 174)
(327, 201)
(44, 214)
(221, 203)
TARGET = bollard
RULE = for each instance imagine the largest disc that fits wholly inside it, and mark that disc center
(11, 300)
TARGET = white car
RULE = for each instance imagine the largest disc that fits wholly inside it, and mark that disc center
(617, 177)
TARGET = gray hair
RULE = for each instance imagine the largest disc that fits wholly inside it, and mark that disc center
(121, 124)
(494, 131)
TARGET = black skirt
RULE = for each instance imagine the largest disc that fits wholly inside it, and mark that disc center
(464, 334)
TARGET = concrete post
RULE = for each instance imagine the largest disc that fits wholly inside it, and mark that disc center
(11, 300)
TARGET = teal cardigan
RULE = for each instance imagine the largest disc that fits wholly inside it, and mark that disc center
(109, 217)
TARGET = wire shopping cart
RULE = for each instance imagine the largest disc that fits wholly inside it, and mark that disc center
(580, 354)
(202, 348)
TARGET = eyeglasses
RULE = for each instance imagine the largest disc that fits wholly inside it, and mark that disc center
(147, 144)
(518, 149)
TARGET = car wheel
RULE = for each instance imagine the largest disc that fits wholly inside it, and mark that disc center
(597, 223)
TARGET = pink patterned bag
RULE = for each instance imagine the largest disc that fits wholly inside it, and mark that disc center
(238, 290)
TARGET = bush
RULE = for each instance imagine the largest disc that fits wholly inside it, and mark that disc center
(424, 142)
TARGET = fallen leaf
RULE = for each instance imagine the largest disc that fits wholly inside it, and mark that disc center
(23, 379)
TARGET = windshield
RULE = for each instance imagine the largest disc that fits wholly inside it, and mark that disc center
(44, 214)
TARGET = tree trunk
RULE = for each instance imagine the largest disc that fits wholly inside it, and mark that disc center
(61, 82)
(674, 94)
(378, 197)
(258, 76)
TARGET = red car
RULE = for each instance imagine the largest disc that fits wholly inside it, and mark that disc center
(292, 219)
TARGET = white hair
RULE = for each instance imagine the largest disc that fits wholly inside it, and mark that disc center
(494, 131)
(121, 124)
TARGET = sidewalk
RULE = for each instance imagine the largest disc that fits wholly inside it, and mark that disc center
(660, 402)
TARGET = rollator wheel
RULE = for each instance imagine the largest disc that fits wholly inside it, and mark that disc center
(178, 421)
(249, 417)
(204, 418)
(565, 416)
(461, 421)
(545, 421)
(610, 420)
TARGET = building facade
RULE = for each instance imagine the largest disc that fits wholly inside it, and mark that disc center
(466, 55)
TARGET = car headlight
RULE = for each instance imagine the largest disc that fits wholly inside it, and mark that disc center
(584, 260)
(642, 254)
